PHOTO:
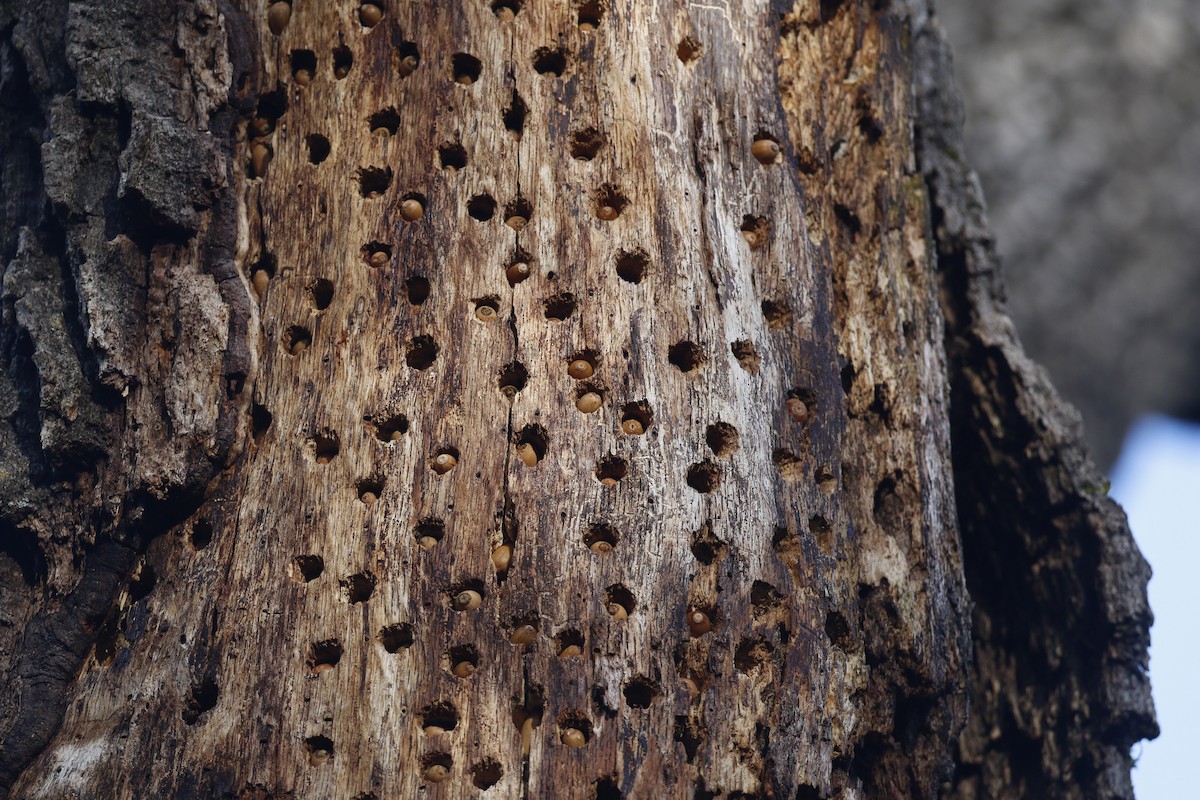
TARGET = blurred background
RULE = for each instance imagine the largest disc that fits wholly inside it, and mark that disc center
(1083, 121)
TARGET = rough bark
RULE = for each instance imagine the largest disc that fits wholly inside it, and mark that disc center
(234, 563)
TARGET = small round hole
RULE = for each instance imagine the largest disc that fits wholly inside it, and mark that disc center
(746, 354)
(359, 587)
(408, 58)
(429, 532)
(569, 643)
(601, 538)
(689, 49)
(755, 230)
(324, 655)
(324, 446)
(481, 207)
(685, 356)
(560, 307)
(395, 638)
(722, 439)
(611, 470)
(585, 144)
(390, 428)
(309, 567)
(619, 602)
(320, 750)
(704, 477)
(444, 460)
(632, 265)
(318, 148)
(304, 66)
(549, 62)
(297, 340)
(777, 315)
(343, 60)
(506, 10)
(369, 490)
(610, 203)
(464, 660)
(422, 352)
(374, 181)
(466, 68)
(513, 378)
(416, 289)
(386, 121)
(487, 309)
(452, 156)
(641, 692)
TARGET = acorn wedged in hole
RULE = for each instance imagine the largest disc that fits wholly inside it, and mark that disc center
(408, 65)
(573, 737)
(698, 622)
(260, 280)
(589, 402)
(525, 634)
(318, 757)
(436, 773)
(570, 651)
(517, 272)
(411, 209)
(302, 77)
(463, 669)
(369, 15)
(278, 16)
(368, 498)
(607, 213)
(502, 558)
(260, 159)
(618, 611)
(527, 454)
(580, 369)
(485, 313)
(378, 259)
(516, 222)
(602, 547)
(443, 463)
(467, 599)
(765, 151)
(427, 542)
(798, 409)
(633, 427)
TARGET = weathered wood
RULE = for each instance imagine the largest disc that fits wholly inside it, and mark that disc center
(547, 398)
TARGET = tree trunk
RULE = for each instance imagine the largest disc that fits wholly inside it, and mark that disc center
(543, 399)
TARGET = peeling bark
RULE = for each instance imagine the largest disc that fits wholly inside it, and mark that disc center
(554, 399)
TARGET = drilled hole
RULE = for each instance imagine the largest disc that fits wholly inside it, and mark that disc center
(611, 470)
(706, 547)
(722, 439)
(532, 444)
(640, 692)
(429, 532)
(513, 378)
(320, 293)
(751, 654)
(320, 749)
(343, 61)
(487, 309)
(601, 538)
(606, 789)
(260, 420)
(610, 202)
(143, 583)
(297, 340)
(395, 638)
(569, 643)
(386, 120)
(704, 477)
(369, 490)
(777, 315)
(464, 660)
(438, 719)
(591, 12)
(619, 601)
(837, 629)
(506, 9)
(689, 49)
(377, 254)
(422, 352)
(481, 207)
(374, 181)
(514, 115)
(560, 307)
(318, 148)
(202, 534)
(549, 61)
(486, 774)
(755, 230)
(324, 655)
(789, 465)
(390, 428)
(304, 66)
(444, 460)
(416, 289)
(466, 68)
(201, 698)
(324, 446)
(309, 567)
(452, 156)
(435, 767)
(586, 143)
(685, 356)
(636, 418)
(408, 58)
(632, 266)
(765, 600)
(518, 213)
(358, 587)
(746, 354)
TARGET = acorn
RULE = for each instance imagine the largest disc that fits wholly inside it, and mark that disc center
(505, 14)
(698, 622)
(580, 369)
(525, 634)
(428, 542)
(278, 16)
(302, 77)
(798, 409)
(298, 347)
(316, 757)
(517, 272)
(463, 669)
(600, 546)
(589, 402)
(570, 651)
(526, 735)
(467, 599)
(436, 773)
(261, 126)
(433, 730)
(443, 463)
(609, 482)
(411, 209)
(260, 279)
(368, 498)
(378, 258)
(573, 737)
(463, 80)
(618, 611)
(369, 15)
(502, 557)
(260, 157)
(527, 454)
(765, 150)
(633, 427)
(408, 65)
(340, 71)
(587, 27)
(317, 669)
(607, 212)
(485, 313)
(516, 222)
